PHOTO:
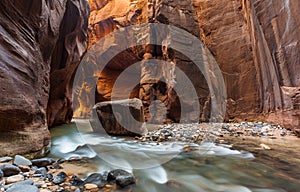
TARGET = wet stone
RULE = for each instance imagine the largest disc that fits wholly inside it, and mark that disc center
(121, 177)
(10, 170)
(49, 176)
(76, 181)
(95, 178)
(154, 138)
(60, 178)
(43, 162)
(125, 180)
(20, 160)
(112, 175)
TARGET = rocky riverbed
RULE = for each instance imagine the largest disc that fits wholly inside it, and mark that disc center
(20, 174)
(214, 132)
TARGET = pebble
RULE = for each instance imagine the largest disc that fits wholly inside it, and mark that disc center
(20, 160)
(10, 170)
(60, 178)
(90, 186)
(23, 188)
(49, 176)
(43, 162)
(14, 179)
(26, 182)
(5, 159)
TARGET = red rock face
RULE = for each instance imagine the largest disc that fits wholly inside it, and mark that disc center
(255, 43)
(36, 41)
(70, 47)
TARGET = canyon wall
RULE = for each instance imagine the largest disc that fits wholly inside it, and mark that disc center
(41, 43)
(255, 42)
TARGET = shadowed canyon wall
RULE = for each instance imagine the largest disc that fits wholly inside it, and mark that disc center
(41, 43)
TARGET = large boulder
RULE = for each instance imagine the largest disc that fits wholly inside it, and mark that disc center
(121, 117)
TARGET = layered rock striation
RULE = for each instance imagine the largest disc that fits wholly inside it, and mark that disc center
(41, 42)
(255, 43)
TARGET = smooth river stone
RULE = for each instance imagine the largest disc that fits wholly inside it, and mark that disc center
(23, 188)
(43, 162)
(20, 160)
(14, 179)
(5, 159)
(9, 170)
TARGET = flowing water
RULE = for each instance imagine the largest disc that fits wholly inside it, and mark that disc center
(169, 167)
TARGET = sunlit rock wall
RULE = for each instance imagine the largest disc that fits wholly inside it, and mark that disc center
(255, 42)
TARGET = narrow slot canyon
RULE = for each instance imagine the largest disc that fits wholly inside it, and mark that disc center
(200, 84)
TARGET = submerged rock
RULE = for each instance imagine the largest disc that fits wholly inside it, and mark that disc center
(122, 117)
(20, 160)
(121, 177)
(125, 180)
(9, 170)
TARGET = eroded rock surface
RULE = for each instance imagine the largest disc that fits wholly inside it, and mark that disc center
(255, 43)
(38, 39)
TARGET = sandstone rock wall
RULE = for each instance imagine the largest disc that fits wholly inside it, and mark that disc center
(255, 42)
(37, 39)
